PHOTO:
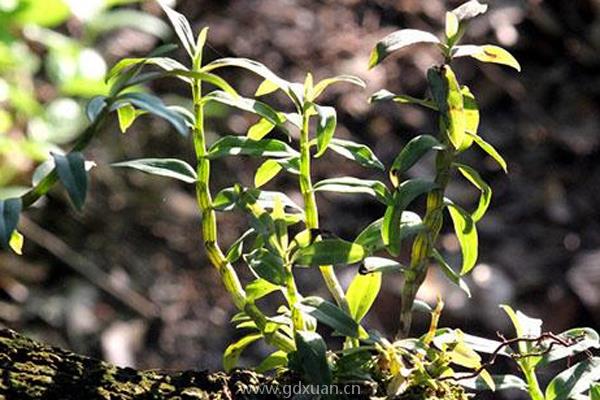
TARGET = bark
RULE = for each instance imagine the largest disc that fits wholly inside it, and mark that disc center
(31, 370)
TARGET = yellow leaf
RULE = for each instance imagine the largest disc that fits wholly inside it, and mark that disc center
(266, 87)
(451, 25)
(16, 242)
(487, 378)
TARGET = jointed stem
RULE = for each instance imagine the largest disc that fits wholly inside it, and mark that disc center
(209, 227)
(312, 215)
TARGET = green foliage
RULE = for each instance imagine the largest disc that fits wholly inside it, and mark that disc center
(284, 236)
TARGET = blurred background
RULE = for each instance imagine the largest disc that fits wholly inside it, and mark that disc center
(127, 280)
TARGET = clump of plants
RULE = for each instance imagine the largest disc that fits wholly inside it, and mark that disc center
(283, 236)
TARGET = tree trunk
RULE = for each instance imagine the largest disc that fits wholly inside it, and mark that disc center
(31, 370)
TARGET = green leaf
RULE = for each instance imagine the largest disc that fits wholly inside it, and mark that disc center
(127, 115)
(236, 249)
(267, 171)
(582, 339)
(155, 106)
(490, 150)
(372, 239)
(277, 359)
(10, 210)
(595, 392)
(357, 152)
(320, 87)
(311, 358)
(465, 230)
(372, 265)
(486, 191)
(574, 380)
(259, 288)
(487, 53)
(449, 272)
(260, 129)
(238, 145)
(169, 167)
(454, 116)
(471, 112)
(349, 184)
(165, 63)
(200, 43)
(331, 315)
(398, 40)
(325, 128)
(213, 79)
(470, 9)
(72, 173)
(501, 382)
(412, 152)
(452, 25)
(525, 327)
(262, 71)
(402, 197)
(265, 88)
(182, 28)
(16, 242)
(267, 266)
(330, 252)
(94, 107)
(249, 105)
(384, 95)
(361, 294)
(234, 351)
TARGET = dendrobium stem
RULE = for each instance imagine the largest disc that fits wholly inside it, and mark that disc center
(312, 214)
(209, 227)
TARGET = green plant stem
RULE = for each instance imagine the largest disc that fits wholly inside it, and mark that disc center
(312, 214)
(209, 227)
(533, 386)
(421, 249)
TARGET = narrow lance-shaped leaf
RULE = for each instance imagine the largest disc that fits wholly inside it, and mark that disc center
(325, 128)
(245, 104)
(72, 173)
(274, 360)
(414, 150)
(237, 247)
(372, 240)
(267, 266)
(330, 252)
(349, 184)
(259, 288)
(16, 242)
(582, 339)
(595, 391)
(237, 145)
(95, 107)
(325, 83)
(234, 351)
(168, 167)
(213, 79)
(155, 106)
(126, 114)
(331, 315)
(182, 28)
(456, 123)
(267, 171)
(490, 150)
(449, 272)
(402, 197)
(470, 9)
(398, 40)
(357, 152)
(465, 230)
(487, 53)
(486, 191)
(501, 382)
(372, 265)
(574, 380)
(165, 63)
(384, 95)
(471, 111)
(10, 210)
(260, 129)
(361, 294)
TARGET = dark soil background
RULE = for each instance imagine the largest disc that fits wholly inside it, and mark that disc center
(138, 235)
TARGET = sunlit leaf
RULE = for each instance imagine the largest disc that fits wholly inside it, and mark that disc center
(331, 315)
(267, 171)
(234, 351)
(259, 288)
(372, 240)
(357, 152)
(325, 128)
(465, 231)
(582, 339)
(10, 210)
(245, 104)
(154, 105)
(487, 53)
(320, 87)
(349, 184)
(372, 265)
(490, 150)
(361, 294)
(574, 380)
(501, 382)
(238, 145)
(330, 252)
(385, 95)
(470, 9)
(449, 272)
(182, 28)
(168, 167)
(452, 24)
(260, 129)
(486, 191)
(16, 242)
(414, 150)
(72, 173)
(267, 266)
(399, 40)
(126, 114)
(274, 360)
